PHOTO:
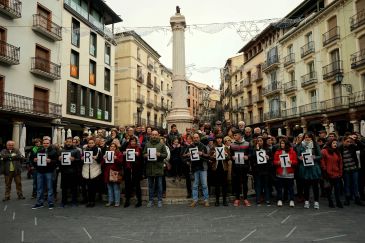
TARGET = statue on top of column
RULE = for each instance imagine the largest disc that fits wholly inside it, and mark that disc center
(177, 9)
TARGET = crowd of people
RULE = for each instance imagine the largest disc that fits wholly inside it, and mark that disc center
(214, 161)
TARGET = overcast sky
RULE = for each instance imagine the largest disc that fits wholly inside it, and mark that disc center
(202, 49)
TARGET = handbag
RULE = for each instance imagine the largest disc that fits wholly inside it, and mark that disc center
(115, 176)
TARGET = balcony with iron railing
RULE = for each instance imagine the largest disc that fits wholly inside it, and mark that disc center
(83, 14)
(289, 59)
(11, 8)
(310, 109)
(156, 88)
(149, 83)
(140, 78)
(140, 99)
(235, 108)
(258, 119)
(247, 82)
(45, 26)
(290, 86)
(331, 70)
(357, 99)
(335, 104)
(18, 104)
(357, 20)
(9, 54)
(164, 107)
(256, 76)
(275, 114)
(238, 90)
(272, 88)
(307, 49)
(156, 106)
(290, 113)
(150, 103)
(309, 79)
(45, 68)
(257, 98)
(358, 59)
(227, 91)
(248, 101)
(271, 63)
(331, 35)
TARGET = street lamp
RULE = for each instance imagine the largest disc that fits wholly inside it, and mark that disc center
(339, 78)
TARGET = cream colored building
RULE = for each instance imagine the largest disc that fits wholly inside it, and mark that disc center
(323, 81)
(88, 48)
(232, 75)
(201, 98)
(30, 67)
(142, 83)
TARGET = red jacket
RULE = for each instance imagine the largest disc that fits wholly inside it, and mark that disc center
(117, 165)
(137, 165)
(293, 160)
(331, 164)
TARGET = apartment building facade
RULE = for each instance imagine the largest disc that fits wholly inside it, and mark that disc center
(142, 83)
(30, 68)
(88, 49)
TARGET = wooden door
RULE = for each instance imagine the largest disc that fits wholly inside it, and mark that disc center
(41, 98)
(2, 41)
(2, 84)
(42, 59)
(45, 17)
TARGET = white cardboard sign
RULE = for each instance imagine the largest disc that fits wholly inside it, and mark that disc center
(41, 159)
(109, 157)
(307, 159)
(219, 153)
(151, 154)
(261, 157)
(239, 158)
(284, 160)
(66, 158)
(194, 154)
(88, 157)
(130, 155)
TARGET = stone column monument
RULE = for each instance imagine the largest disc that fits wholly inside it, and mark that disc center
(179, 114)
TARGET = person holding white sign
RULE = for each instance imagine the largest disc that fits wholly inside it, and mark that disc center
(132, 166)
(198, 158)
(261, 163)
(240, 149)
(219, 157)
(155, 153)
(112, 167)
(285, 160)
(91, 170)
(310, 156)
(45, 174)
(70, 162)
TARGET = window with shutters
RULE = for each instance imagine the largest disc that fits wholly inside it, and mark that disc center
(107, 79)
(72, 97)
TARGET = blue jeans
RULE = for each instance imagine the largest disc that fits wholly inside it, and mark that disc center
(200, 176)
(42, 180)
(351, 179)
(114, 192)
(287, 184)
(151, 187)
(34, 176)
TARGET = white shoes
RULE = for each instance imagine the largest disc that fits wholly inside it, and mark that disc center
(280, 203)
(316, 205)
(306, 204)
(291, 204)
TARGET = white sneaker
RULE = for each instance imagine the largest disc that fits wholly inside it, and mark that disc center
(291, 204)
(316, 205)
(306, 204)
(280, 203)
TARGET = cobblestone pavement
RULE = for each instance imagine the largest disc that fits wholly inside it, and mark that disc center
(177, 223)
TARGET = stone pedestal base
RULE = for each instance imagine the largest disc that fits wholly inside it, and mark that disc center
(181, 117)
